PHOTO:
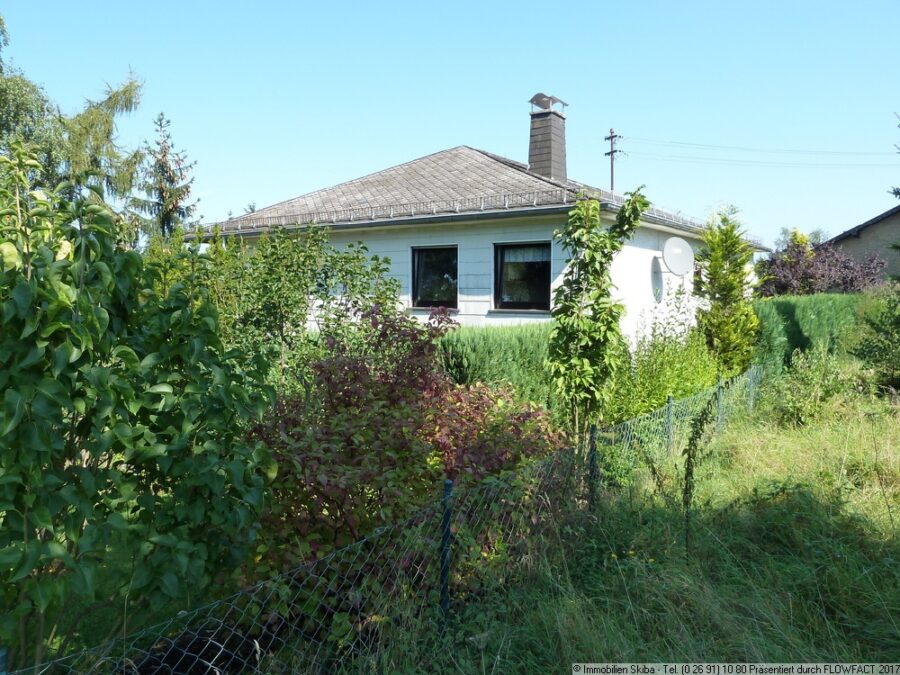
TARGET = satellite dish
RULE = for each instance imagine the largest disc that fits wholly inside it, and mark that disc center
(678, 256)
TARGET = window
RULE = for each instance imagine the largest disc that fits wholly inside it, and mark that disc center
(434, 277)
(522, 276)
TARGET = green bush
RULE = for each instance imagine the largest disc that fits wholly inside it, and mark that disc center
(672, 359)
(789, 323)
(121, 429)
(815, 377)
(662, 365)
(879, 345)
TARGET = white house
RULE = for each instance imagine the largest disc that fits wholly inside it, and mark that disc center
(472, 231)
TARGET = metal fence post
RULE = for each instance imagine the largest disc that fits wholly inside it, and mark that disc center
(670, 427)
(592, 467)
(720, 405)
(445, 554)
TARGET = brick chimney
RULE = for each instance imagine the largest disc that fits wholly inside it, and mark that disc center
(547, 145)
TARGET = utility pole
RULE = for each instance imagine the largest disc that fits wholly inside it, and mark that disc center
(612, 138)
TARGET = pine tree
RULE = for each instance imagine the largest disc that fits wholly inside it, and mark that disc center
(167, 182)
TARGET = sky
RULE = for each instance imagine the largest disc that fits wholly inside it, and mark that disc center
(784, 109)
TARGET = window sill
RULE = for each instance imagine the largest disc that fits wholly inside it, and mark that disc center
(428, 310)
(529, 312)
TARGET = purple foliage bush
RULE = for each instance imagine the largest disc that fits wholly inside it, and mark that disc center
(800, 270)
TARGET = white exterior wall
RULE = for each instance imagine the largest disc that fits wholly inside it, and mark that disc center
(632, 269)
(644, 284)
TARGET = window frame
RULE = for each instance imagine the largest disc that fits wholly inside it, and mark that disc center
(414, 276)
(499, 303)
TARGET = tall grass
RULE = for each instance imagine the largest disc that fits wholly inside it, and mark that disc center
(794, 554)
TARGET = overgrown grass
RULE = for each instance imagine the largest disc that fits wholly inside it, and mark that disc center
(794, 557)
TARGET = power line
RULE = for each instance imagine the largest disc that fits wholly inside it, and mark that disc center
(783, 151)
(724, 161)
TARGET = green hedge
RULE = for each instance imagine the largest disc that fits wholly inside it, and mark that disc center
(790, 322)
(501, 354)
(514, 357)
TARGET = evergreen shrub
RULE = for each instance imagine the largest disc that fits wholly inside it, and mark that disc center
(513, 355)
(792, 322)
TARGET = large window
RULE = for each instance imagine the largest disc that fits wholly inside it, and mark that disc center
(522, 276)
(434, 277)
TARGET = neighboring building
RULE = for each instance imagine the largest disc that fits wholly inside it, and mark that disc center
(473, 231)
(874, 237)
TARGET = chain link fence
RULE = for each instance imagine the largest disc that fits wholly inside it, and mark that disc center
(337, 613)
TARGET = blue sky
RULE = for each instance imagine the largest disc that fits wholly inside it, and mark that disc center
(275, 99)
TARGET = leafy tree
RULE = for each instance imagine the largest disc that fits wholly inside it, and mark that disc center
(793, 235)
(4, 40)
(727, 319)
(121, 423)
(91, 154)
(586, 346)
(290, 292)
(167, 183)
(80, 148)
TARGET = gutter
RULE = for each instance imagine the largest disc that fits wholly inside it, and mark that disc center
(661, 223)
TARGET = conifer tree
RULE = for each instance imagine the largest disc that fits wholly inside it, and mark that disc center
(167, 183)
(728, 319)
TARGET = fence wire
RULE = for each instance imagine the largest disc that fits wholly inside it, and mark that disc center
(337, 613)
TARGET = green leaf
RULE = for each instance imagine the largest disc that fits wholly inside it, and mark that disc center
(10, 556)
(169, 585)
(14, 410)
(22, 295)
(10, 257)
(28, 563)
(127, 356)
(151, 360)
(40, 518)
(33, 356)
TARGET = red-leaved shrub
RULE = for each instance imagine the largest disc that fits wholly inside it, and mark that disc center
(377, 428)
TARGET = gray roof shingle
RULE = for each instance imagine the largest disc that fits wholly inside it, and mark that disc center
(458, 173)
(456, 181)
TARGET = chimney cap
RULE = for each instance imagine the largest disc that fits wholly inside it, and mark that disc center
(545, 102)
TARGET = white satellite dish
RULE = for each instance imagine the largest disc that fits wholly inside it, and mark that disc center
(678, 256)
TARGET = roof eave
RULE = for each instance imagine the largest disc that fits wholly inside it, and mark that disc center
(854, 231)
(519, 212)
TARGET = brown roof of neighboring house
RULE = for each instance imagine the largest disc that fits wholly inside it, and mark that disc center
(854, 231)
